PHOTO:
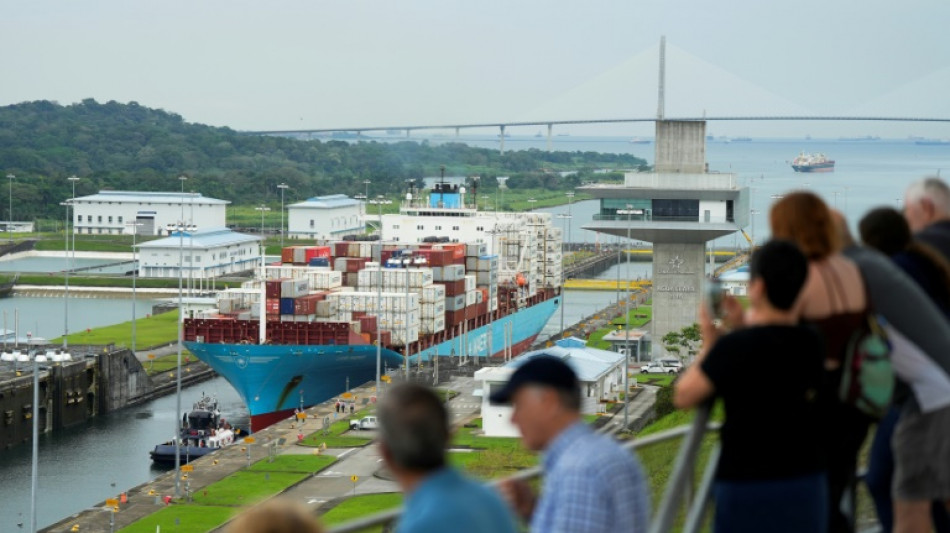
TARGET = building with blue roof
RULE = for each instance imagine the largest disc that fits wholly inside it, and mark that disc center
(325, 217)
(145, 213)
(204, 254)
(599, 373)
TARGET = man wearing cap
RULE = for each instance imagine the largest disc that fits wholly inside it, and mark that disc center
(413, 438)
(591, 483)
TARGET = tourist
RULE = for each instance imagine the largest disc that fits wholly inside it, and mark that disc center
(413, 439)
(591, 484)
(275, 516)
(927, 208)
(887, 231)
(771, 474)
(833, 299)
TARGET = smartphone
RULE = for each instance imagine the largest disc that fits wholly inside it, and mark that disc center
(714, 297)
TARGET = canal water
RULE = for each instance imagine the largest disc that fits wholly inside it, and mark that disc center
(86, 464)
(43, 316)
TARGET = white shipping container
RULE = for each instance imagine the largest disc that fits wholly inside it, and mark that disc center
(433, 293)
(485, 278)
(327, 308)
(452, 273)
(322, 280)
(471, 282)
(471, 297)
(428, 327)
(433, 309)
(455, 303)
(400, 336)
(487, 262)
(294, 288)
(471, 263)
(476, 249)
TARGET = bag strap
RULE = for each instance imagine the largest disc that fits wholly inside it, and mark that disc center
(835, 291)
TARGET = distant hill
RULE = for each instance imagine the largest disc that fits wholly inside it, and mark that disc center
(131, 147)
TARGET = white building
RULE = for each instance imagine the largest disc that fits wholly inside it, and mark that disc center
(109, 212)
(599, 372)
(204, 254)
(736, 281)
(324, 217)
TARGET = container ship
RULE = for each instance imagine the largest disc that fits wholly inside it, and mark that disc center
(447, 281)
(812, 163)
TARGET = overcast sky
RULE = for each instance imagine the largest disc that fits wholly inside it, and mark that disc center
(334, 64)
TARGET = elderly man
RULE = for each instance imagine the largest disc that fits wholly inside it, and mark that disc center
(927, 210)
(413, 437)
(591, 483)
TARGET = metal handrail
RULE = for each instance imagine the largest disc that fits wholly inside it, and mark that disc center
(669, 504)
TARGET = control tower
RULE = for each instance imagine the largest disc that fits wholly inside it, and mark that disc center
(679, 207)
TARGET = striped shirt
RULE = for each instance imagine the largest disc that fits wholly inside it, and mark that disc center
(591, 485)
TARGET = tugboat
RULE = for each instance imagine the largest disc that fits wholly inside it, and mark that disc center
(203, 431)
(813, 163)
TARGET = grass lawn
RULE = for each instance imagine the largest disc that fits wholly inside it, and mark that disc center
(493, 457)
(166, 363)
(183, 518)
(336, 439)
(247, 488)
(638, 317)
(360, 506)
(294, 463)
(659, 380)
(152, 331)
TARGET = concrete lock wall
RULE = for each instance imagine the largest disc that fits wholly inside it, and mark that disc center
(678, 280)
(122, 379)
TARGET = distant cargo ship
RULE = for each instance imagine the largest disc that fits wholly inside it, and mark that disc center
(640, 140)
(295, 337)
(864, 138)
(933, 142)
(813, 163)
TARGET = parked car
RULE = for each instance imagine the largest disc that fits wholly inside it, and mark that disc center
(676, 363)
(657, 367)
(367, 422)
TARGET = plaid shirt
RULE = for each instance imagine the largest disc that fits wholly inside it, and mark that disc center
(591, 485)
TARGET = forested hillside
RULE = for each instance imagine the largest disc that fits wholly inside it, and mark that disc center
(131, 147)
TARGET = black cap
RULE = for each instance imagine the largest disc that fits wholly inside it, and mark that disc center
(541, 370)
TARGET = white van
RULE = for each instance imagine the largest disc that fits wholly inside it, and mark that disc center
(367, 422)
(669, 361)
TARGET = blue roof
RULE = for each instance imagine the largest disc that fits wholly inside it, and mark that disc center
(205, 238)
(590, 364)
(331, 201)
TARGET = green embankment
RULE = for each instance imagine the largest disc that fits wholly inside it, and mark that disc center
(217, 503)
(636, 317)
(151, 330)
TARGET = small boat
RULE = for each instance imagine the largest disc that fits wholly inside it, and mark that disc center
(813, 163)
(203, 431)
(638, 140)
(932, 142)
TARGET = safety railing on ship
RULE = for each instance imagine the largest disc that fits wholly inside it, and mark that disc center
(677, 491)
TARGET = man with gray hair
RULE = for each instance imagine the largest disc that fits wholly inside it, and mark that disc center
(927, 210)
(413, 437)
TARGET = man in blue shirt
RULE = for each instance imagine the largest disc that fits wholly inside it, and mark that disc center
(413, 437)
(591, 483)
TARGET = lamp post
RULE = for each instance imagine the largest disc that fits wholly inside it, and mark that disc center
(365, 194)
(262, 208)
(629, 211)
(66, 277)
(135, 272)
(181, 320)
(282, 187)
(34, 463)
(11, 177)
(379, 297)
(565, 240)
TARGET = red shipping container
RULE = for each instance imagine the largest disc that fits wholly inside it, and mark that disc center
(356, 264)
(272, 288)
(340, 249)
(386, 337)
(454, 288)
(316, 251)
(367, 323)
(287, 254)
(458, 250)
(306, 305)
(272, 306)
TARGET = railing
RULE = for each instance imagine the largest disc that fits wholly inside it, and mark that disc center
(676, 492)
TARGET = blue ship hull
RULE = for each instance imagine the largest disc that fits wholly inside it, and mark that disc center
(273, 380)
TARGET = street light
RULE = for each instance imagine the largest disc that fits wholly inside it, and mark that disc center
(11, 177)
(629, 211)
(67, 269)
(262, 208)
(379, 297)
(181, 321)
(18, 357)
(135, 272)
(566, 239)
(282, 186)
